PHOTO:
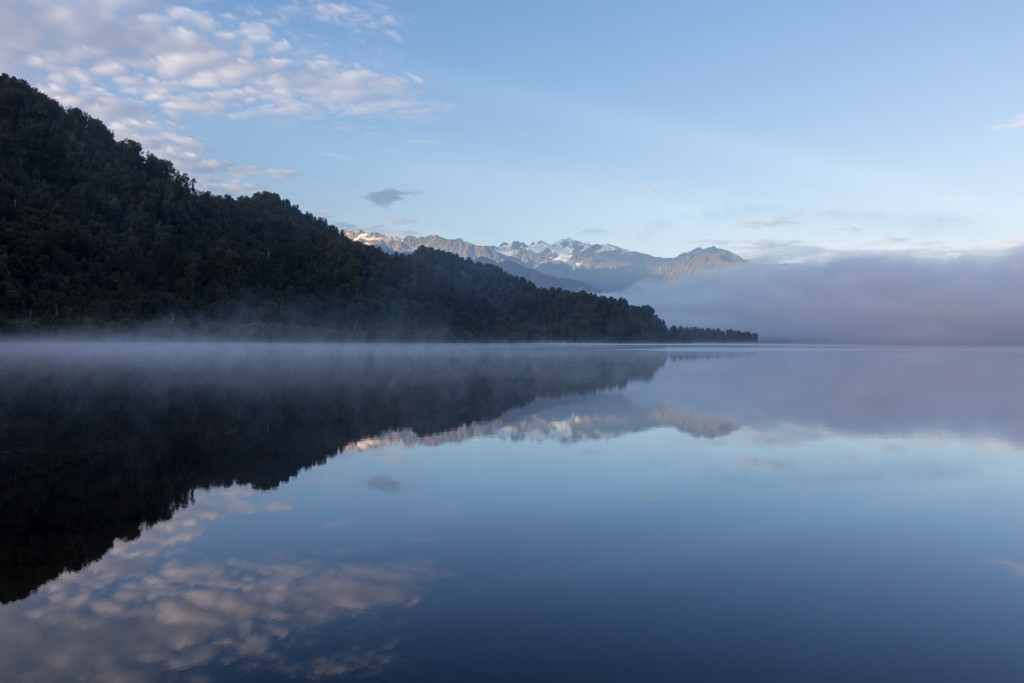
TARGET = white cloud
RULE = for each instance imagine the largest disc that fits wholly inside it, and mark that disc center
(139, 66)
(767, 222)
(201, 20)
(371, 16)
(1017, 122)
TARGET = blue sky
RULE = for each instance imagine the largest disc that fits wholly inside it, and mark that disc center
(782, 131)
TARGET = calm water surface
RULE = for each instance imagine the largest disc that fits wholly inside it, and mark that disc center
(263, 512)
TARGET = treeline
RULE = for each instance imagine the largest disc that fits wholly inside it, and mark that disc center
(708, 334)
(95, 232)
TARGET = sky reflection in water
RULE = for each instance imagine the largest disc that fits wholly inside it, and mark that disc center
(770, 514)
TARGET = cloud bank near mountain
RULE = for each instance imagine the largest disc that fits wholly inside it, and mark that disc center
(864, 298)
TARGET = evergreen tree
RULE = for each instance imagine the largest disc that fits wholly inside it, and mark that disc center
(99, 232)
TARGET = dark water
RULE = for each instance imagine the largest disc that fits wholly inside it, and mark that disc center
(202, 512)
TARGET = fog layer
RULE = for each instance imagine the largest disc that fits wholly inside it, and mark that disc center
(895, 299)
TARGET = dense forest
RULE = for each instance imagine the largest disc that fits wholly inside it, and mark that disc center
(100, 234)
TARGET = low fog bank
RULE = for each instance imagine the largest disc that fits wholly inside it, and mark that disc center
(877, 298)
(156, 365)
(894, 391)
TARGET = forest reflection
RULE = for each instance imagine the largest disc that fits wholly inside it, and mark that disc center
(102, 439)
(697, 500)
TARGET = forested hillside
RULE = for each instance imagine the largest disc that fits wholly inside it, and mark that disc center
(95, 232)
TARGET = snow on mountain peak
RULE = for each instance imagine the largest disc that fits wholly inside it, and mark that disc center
(566, 262)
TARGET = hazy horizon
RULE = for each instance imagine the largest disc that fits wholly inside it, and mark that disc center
(861, 298)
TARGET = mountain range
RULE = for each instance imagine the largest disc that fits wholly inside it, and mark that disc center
(566, 263)
(97, 233)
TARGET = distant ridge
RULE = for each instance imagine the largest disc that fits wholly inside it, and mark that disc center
(473, 252)
(567, 263)
(97, 233)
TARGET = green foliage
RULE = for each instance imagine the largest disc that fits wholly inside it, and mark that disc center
(99, 232)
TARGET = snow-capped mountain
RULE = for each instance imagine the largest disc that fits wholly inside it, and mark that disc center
(567, 263)
(562, 421)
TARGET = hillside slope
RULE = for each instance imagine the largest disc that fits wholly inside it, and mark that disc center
(97, 232)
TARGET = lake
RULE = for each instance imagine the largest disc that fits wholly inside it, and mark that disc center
(174, 511)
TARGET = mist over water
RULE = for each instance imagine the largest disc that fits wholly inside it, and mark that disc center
(250, 511)
(162, 419)
(874, 299)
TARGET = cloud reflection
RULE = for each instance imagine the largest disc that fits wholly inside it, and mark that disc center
(142, 611)
(1015, 568)
(384, 484)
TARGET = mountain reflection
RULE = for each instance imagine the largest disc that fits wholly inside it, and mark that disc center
(99, 440)
(783, 499)
(102, 439)
(581, 419)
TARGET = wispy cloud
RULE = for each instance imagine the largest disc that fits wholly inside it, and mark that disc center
(782, 250)
(140, 66)
(767, 223)
(1017, 122)
(388, 196)
(340, 157)
(369, 17)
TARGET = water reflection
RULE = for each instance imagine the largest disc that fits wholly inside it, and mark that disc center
(100, 439)
(557, 512)
(781, 394)
(144, 609)
(581, 419)
(895, 391)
